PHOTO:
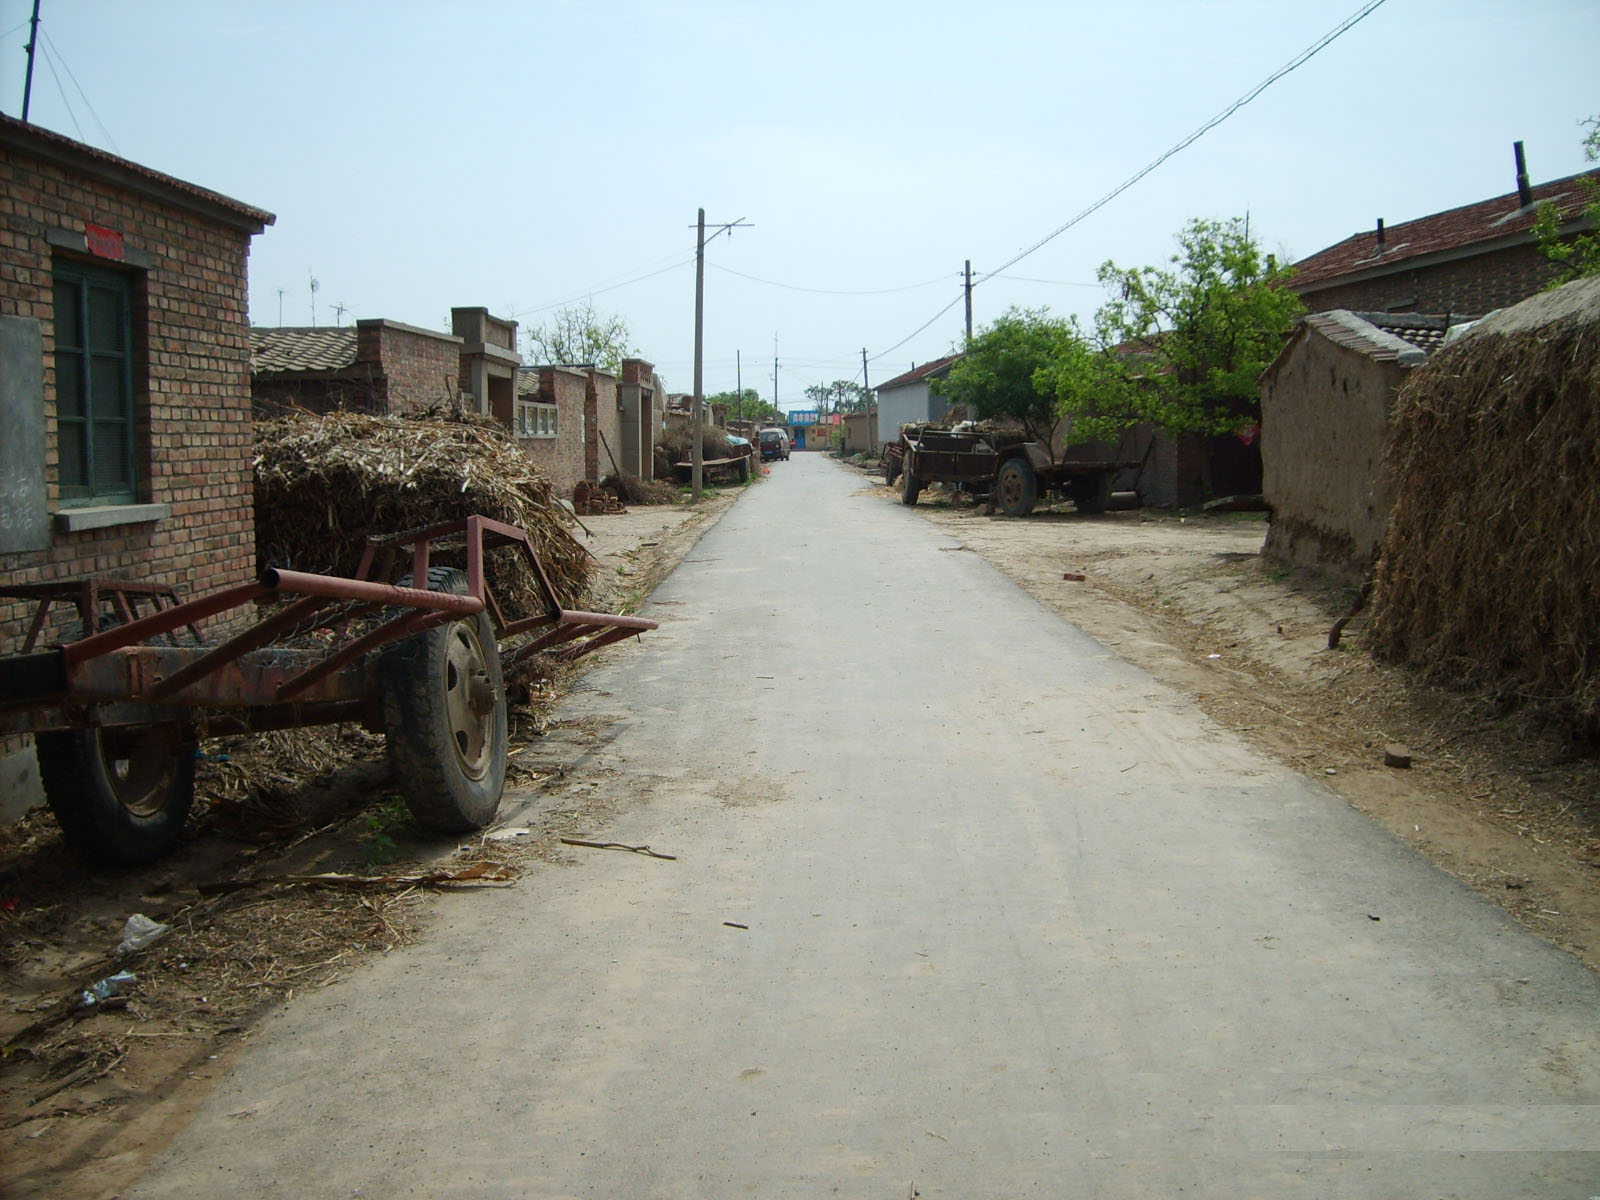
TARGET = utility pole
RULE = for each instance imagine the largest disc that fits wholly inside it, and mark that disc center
(33, 41)
(738, 384)
(866, 394)
(775, 407)
(697, 422)
(967, 271)
(280, 308)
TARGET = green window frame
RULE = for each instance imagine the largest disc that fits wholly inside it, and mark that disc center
(95, 434)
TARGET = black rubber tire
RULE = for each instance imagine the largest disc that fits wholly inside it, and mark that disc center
(1092, 496)
(1016, 487)
(122, 793)
(742, 471)
(444, 718)
(891, 470)
(910, 488)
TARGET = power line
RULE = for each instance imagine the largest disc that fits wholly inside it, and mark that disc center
(792, 287)
(67, 67)
(960, 296)
(1299, 59)
(49, 61)
(601, 290)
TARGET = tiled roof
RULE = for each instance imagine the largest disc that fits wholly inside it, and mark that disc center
(1354, 332)
(1424, 332)
(1456, 229)
(318, 348)
(131, 174)
(928, 370)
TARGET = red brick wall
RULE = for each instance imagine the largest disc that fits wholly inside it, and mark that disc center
(1469, 286)
(606, 419)
(561, 458)
(191, 381)
(421, 368)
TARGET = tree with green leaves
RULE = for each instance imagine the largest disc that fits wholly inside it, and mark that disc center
(841, 396)
(578, 335)
(1004, 373)
(1192, 336)
(746, 406)
(1577, 254)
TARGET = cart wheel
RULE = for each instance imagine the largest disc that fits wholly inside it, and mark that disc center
(742, 471)
(120, 793)
(444, 717)
(910, 488)
(1092, 495)
(1016, 488)
(891, 470)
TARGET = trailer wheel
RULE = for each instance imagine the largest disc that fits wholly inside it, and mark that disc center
(1016, 487)
(910, 487)
(891, 469)
(444, 717)
(1092, 496)
(120, 793)
(742, 471)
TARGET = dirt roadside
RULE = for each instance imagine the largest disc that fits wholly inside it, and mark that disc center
(87, 1095)
(1509, 809)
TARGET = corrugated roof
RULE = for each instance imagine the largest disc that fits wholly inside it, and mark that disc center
(917, 374)
(1455, 229)
(306, 348)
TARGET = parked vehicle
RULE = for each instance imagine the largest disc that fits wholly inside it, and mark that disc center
(774, 444)
(1002, 467)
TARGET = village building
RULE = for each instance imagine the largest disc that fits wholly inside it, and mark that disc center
(909, 399)
(1325, 403)
(1468, 260)
(124, 383)
(376, 366)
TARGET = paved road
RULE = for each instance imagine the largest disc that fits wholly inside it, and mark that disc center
(1020, 922)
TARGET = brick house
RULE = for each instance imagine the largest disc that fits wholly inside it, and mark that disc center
(582, 423)
(1468, 260)
(124, 377)
(488, 362)
(550, 424)
(378, 366)
(907, 399)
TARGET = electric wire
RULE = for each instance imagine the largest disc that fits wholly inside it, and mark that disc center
(49, 61)
(89, 104)
(791, 287)
(1304, 56)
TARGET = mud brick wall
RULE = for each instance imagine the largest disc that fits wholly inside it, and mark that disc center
(191, 367)
(1324, 415)
(1467, 286)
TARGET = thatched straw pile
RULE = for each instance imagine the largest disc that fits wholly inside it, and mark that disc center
(1490, 573)
(633, 490)
(324, 483)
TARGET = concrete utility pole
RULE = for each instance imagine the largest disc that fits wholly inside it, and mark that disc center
(866, 394)
(775, 407)
(967, 271)
(738, 383)
(697, 421)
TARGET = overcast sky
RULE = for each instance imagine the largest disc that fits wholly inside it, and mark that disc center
(523, 155)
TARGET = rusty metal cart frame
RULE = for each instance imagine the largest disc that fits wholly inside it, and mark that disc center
(117, 713)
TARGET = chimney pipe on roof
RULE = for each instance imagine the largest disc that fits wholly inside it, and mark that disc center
(1524, 192)
(1380, 235)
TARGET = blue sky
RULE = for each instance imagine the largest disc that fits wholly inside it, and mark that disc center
(522, 155)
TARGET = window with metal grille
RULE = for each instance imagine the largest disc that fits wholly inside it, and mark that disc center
(94, 385)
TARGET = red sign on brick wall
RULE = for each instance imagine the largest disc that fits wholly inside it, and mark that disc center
(103, 242)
